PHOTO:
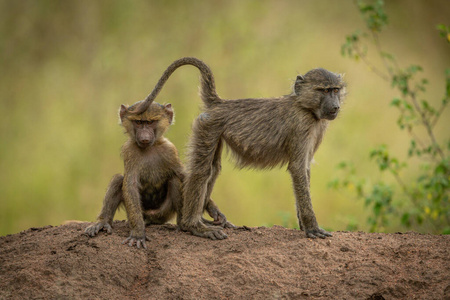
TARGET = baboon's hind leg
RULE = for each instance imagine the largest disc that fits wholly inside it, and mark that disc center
(202, 172)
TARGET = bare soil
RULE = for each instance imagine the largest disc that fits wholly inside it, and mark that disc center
(253, 263)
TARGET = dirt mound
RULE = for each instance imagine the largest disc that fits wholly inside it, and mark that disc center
(253, 263)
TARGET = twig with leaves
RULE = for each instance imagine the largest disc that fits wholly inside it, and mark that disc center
(422, 204)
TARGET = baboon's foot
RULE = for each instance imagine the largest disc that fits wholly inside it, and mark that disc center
(202, 230)
(219, 220)
(225, 224)
(138, 241)
(317, 233)
(302, 228)
(93, 230)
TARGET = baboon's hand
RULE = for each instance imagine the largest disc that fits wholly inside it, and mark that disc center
(139, 241)
(93, 230)
(317, 232)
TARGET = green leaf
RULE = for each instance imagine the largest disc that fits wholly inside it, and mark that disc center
(407, 105)
(442, 27)
(387, 55)
(334, 184)
(396, 102)
(415, 68)
(374, 15)
(342, 165)
(444, 31)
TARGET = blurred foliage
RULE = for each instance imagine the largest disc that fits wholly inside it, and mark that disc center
(424, 203)
(68, 65)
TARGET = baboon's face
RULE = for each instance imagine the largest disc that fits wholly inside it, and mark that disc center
(144, 132)
(330, 103)
(321, 92)
(145, 128)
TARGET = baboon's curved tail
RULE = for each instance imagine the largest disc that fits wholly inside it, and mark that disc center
(207, 91)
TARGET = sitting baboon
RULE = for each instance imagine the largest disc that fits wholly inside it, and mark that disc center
(151, 187)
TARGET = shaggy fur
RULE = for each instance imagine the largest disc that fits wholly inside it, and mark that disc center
(261, 133)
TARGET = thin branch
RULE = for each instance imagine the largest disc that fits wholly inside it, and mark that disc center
(426, 123)
(380, 52)
(422, 147)
(404, 187)
(370, 65)
(439, 113)
(416, 138)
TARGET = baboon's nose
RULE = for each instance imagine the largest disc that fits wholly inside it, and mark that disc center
(335, 108)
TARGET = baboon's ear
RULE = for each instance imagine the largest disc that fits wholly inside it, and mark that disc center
(122, 111)
(298, 82)
(169, 111)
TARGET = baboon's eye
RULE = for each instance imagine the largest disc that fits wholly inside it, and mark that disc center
(147, 122)
(138, 122)
(336, 90)
(326, 91)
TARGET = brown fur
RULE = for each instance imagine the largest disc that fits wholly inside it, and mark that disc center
(261, 133)
(151, 187)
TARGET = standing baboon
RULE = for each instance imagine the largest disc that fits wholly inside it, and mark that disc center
(261, 133)
(151, 187)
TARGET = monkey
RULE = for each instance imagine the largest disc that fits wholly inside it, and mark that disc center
(261, 133)
(151, 187)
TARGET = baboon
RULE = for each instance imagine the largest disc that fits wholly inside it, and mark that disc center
(261, 133)
(151, 187)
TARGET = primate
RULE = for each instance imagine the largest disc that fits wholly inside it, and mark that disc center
(151, 187)
(261, 133)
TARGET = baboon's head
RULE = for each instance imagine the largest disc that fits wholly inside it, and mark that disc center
(321, 92)
(147, 127)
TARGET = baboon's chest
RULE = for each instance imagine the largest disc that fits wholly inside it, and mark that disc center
(154, 183)
(153, 195)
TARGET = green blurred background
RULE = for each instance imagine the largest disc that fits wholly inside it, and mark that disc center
(66, 66)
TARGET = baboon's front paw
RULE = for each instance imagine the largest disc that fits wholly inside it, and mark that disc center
(317, 233)
(93, 230)
(138, 241)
